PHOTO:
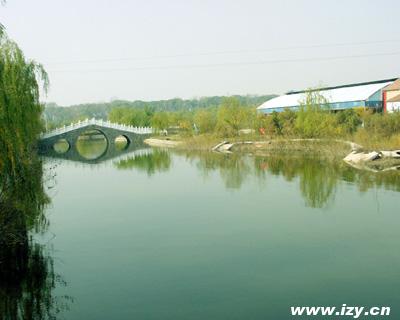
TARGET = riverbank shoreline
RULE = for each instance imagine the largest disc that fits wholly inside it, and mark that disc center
(164, 143)
(350, 152)
(252, 144)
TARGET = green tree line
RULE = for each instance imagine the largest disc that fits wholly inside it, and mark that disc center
(226, 119)
(314, 119)
(56, 115)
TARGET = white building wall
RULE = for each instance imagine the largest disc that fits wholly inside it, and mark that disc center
(392, 107)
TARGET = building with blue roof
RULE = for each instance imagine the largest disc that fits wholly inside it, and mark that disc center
(365, 94)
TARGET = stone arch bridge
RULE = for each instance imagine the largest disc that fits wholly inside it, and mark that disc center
(71, 133)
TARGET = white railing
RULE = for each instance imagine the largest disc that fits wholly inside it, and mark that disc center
(100, 123)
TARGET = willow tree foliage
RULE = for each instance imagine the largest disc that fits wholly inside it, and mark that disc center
(21, 190)
(27, 277)
(20, 108)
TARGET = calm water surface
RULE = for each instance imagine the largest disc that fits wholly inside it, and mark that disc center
(163, 235)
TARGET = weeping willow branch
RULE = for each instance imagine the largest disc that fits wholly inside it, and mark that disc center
(20, 107)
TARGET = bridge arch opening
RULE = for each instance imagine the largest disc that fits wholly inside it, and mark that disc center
(61, 146)
(121, 142)
(92, 144)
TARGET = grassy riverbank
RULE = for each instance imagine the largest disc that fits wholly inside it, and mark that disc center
(333, 150)
(201, 129)
(256, 145)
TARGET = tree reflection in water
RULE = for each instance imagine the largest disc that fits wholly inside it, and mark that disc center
(234, 168)
(158, 160)
(27, 276)
(317, 177)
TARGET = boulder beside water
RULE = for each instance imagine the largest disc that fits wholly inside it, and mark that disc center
(391, 154)
(357, 157)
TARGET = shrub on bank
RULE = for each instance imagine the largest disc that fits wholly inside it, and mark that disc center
(205, 120)
(349, 120)
(316, 123)
(383, 125)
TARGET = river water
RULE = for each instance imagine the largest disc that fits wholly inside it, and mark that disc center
(158, 234)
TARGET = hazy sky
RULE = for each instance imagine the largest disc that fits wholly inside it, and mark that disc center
(97, 50)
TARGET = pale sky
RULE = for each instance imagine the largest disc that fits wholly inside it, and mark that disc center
(97, 50)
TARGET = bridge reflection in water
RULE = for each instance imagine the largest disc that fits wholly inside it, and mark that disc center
(93, 141)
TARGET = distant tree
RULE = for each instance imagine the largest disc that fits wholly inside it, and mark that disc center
(205, 120)
(116, 115)
(314, 119)
(231, 117)
(160, 120)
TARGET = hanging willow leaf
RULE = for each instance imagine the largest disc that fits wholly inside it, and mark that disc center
(20, 107)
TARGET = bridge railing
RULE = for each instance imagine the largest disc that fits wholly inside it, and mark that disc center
(100, 123)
